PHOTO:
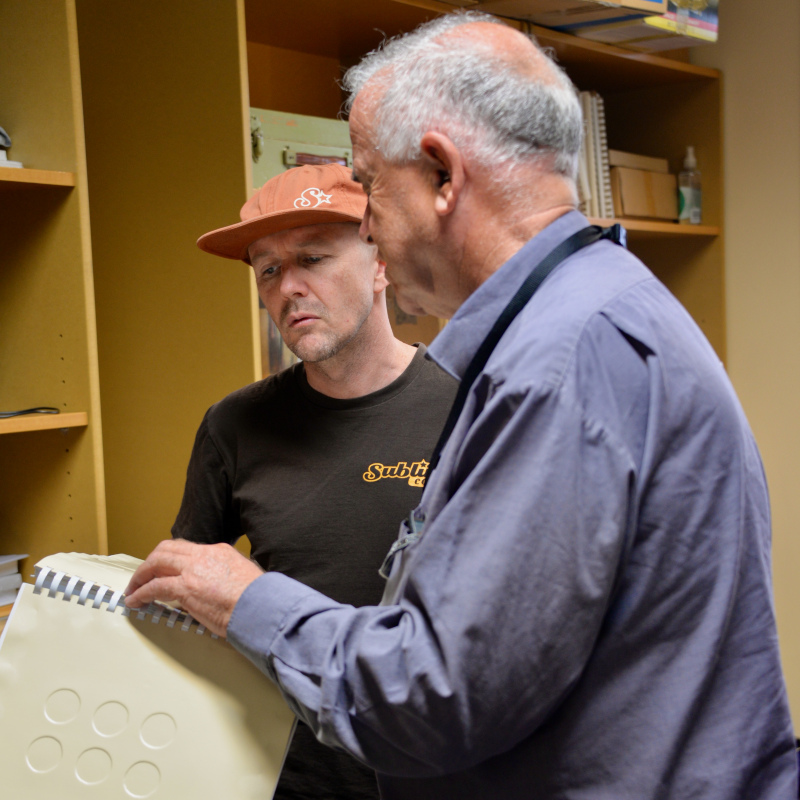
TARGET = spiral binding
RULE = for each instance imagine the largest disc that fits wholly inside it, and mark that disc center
(96, 594)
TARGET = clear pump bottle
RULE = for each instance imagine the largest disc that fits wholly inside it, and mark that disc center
(689, 194)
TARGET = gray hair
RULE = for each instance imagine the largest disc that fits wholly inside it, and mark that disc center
(462, 87)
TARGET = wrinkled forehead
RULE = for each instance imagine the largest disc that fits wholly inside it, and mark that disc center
(362, 118)
(367, 158)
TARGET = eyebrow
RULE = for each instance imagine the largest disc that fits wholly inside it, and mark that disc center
(312, 241)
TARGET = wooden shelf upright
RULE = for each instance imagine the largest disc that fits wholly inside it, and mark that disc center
(51, 470)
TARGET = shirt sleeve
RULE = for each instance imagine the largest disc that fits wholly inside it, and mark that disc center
(207, 513)
(502, 600)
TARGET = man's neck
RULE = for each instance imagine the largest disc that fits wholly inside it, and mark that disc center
(512, 239)
(540, 198)
(360, 370)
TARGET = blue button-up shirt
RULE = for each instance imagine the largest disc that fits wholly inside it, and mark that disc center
(588, 611)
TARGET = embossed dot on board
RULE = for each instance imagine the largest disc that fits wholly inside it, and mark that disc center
(62, 706)
(158, 730)
(44, 754)
(93, 766)
(110, 718)
(142, 779)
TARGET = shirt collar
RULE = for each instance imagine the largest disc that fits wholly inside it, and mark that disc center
(454, 347)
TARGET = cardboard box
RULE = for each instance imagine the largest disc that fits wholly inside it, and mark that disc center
(618, 158)
(565, 14)
(641, 193)
(676, 29)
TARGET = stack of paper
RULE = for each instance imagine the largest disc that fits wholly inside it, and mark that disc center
(10, 579)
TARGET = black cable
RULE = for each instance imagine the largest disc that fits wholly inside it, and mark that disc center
(37, 410)
(583, 238)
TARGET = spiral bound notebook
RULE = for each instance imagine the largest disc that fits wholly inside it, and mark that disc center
(97, 701)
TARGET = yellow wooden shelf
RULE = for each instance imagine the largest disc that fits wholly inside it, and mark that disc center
(350, 28)
(44, 422)
(605, 67)
(43, 177)
(653, 228)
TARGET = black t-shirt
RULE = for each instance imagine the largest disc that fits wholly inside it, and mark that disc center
(319, 486)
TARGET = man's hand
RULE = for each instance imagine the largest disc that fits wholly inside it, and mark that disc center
(205, 580)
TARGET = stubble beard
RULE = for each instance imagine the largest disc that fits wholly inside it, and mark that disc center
(315, 352)
(314, 348)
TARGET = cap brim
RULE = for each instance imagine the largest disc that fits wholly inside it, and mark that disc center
(233, 241)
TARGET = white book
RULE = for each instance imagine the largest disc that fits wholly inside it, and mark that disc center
(591, 150)
(603, 167)
(8, 597)
(110, 703)
(10, 564)
(10, 582)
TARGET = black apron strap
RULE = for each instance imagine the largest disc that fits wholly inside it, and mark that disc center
(583, 238)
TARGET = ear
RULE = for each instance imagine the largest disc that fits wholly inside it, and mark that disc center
(446, 165)
(380, 283)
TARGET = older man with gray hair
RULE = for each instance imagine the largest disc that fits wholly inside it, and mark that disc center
(581, 605)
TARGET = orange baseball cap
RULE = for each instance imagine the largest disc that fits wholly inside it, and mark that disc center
(308, 195)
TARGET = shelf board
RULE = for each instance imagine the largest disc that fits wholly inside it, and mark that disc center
(348, 30)
(44, 422)
(342, 30)
(42, 177)
(648, 227)
(604, 67)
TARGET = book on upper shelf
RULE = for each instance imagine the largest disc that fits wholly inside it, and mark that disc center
(587, 188)
(603, 169)
(566, 14)
(678, 28)
(123, 704)
(594, 178)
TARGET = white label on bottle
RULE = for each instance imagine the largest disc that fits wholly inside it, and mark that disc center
(689, 205)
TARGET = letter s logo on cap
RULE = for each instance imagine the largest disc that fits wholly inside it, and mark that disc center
(306, 202)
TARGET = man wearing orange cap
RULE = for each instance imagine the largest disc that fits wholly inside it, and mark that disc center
(316, 465)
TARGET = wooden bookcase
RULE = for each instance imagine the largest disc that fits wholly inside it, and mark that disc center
(654, 106)
(154, 97)
(51, 466)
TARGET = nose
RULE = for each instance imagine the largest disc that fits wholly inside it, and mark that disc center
(292, 282)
